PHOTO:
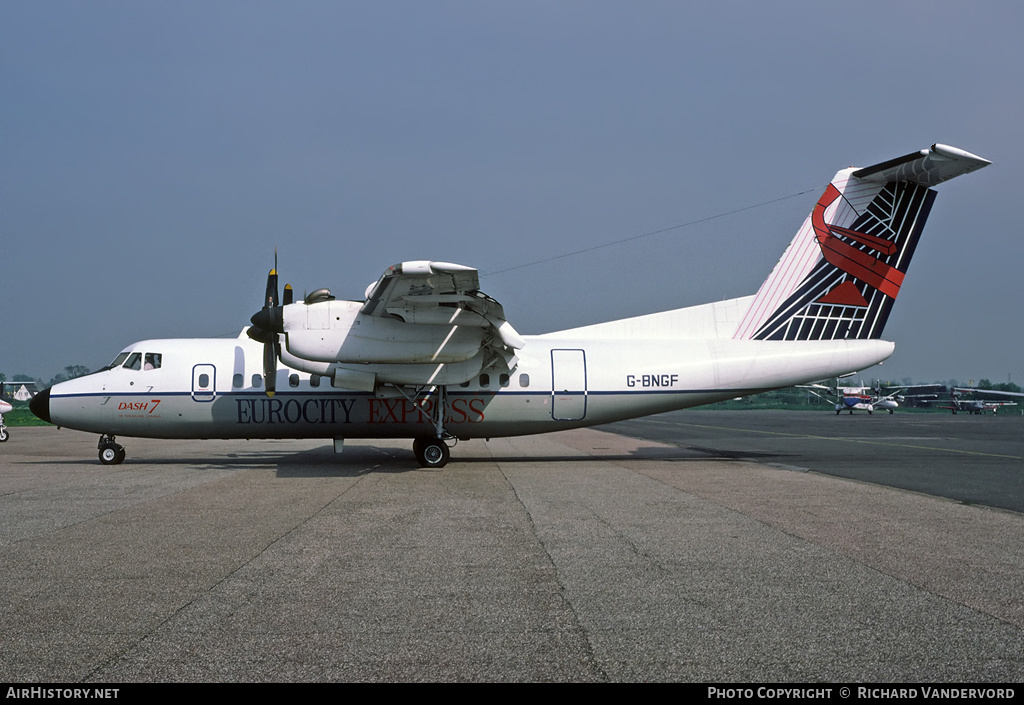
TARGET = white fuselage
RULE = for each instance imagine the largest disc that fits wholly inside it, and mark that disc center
(212, 388)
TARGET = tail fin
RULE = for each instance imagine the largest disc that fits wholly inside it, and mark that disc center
(841, 274)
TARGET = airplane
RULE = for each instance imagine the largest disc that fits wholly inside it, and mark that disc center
(975, 406)
(427, 356)
(976, 390)
(4, 408)
(857, 398)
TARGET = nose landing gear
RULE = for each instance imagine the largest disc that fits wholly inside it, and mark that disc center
(111, 452)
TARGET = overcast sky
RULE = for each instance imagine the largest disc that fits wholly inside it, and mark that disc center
(154, 154)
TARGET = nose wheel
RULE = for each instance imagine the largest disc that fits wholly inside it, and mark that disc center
(111, 453)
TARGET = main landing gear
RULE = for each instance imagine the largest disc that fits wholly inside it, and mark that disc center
(433, 451)
(111, 453)
(4, 435)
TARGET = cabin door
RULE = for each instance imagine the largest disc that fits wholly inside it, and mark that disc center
(204, 382)
(568, 385)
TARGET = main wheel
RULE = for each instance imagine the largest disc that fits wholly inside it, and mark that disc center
(111, 454)
(433, 453)
(4, 435)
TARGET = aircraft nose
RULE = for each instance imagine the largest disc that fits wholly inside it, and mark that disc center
(40, 405)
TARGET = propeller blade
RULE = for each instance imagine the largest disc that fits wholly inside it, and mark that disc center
(270, 300)
(270, 366)
(289, 295)
(268, 322)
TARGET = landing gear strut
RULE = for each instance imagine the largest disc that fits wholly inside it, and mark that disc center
(433, 452)
(111, 452)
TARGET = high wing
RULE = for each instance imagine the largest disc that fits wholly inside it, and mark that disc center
(967, 390)
(440, 293)
(423, 324)
(816, 385)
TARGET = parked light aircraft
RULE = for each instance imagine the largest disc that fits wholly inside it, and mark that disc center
(857, 398)
(428, 356)
(975, 406)
(4, 408)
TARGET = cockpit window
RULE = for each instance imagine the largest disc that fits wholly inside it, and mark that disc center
(152, 361)
(121, 357)
(134, 362)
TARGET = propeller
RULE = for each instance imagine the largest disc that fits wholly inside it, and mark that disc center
(267, 324)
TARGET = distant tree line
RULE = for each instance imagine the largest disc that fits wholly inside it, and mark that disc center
(998, 386)
(69, 372)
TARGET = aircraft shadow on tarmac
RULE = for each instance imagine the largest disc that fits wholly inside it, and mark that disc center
(364, 460)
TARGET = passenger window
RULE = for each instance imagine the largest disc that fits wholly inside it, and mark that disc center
(257, 381)
(237, 381)
(524, 380)
(485, 380)
(152, 361)
(314, 380)
(503, 380)
(293, 380)
(134, 362)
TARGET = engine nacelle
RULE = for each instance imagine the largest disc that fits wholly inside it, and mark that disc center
(368, 378)
(336, 331)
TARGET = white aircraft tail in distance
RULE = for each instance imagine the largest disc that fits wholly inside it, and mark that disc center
(429, 357)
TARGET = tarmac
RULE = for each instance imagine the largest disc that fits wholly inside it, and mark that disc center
(576, 556)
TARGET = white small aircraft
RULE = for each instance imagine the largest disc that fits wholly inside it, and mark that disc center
(428, 356)
(856, 398)
(4, 408)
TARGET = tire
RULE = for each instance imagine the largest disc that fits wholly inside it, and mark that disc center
(417, 446)
(111, 454)
(433, 454)
(4, 435)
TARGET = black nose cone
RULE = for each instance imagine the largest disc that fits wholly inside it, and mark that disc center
(270, 319)
(40, 405)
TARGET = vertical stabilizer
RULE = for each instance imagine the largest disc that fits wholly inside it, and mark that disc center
(842, 272)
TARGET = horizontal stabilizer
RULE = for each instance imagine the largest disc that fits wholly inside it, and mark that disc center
(926, 167)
